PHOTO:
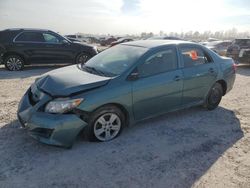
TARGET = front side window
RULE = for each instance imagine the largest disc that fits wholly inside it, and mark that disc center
(50, 38)
(30, 37)
(162, 61)
(194, 56)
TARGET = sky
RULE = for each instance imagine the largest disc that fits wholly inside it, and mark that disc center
(125, 16)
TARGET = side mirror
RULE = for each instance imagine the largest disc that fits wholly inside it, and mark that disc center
(133, 76)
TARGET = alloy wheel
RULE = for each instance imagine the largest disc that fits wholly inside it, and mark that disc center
(83, 58)
(215, 96)
(107, 126)
(14, 63)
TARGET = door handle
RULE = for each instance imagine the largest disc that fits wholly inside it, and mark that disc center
(177, 78)
(211, 70)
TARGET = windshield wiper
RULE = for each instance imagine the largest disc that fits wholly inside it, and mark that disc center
(94, 70)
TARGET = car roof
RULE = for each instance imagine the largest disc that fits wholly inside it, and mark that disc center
(164, 37)
(242, 39)
(155, 43)
(218, 42)
(25, 29)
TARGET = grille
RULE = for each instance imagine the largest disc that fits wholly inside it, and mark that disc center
(43, 132)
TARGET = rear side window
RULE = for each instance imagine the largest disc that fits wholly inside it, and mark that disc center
(30, 37)
(161, 61)
(194, 56)
(7, 36)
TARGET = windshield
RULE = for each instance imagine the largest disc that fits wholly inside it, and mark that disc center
(115, 60)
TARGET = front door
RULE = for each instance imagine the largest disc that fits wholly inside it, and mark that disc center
(55, 50)
(159, 87)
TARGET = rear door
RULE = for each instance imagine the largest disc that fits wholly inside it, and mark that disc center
(30, 44)
(199, 73)
(159, 87)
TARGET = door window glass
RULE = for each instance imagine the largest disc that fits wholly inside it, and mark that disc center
(30, 37)
(159, 62)
(50, 38)
(194, 57)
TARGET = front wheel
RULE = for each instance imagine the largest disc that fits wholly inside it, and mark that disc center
(214, 97)
(105, 124)
(82, 58)
(14, 63)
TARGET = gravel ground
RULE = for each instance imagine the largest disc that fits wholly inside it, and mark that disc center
(189, 148)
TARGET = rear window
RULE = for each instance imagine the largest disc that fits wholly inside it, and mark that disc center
(242, 42)
(222, 44)
(30, 37)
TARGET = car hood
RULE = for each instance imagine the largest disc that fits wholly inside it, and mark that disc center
(69, 80)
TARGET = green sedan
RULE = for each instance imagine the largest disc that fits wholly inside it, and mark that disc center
(122, 85)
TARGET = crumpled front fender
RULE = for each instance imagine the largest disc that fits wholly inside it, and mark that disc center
(53, 129)
(64, 127)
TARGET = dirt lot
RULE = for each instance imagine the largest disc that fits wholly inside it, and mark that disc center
(189, 148)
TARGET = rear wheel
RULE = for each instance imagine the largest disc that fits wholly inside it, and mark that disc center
(105, 124)
(14, 63)
(82, 58)
(214, 96)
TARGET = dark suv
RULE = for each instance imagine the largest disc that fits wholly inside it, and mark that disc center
(239, 50)
(27, 46)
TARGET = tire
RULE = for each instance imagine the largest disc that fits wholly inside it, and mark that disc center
(14, 63)
(214, 97)
(82, 58)
(105, 124)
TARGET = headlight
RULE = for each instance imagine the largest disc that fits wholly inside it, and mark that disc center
(60, 106)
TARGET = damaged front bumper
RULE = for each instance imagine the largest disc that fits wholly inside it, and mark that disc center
(53, 129)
